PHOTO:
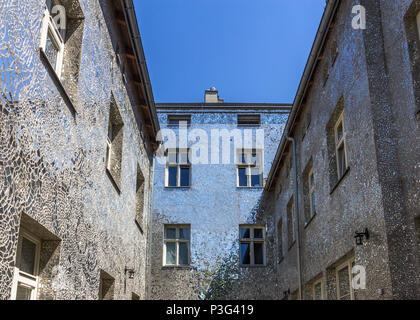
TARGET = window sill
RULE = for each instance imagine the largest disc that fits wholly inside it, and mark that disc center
(292, 245)
(307, 223)
(114, 183)
(167, 187)
(258, 188)
(177, 267)
(57, 82)
(339, 180)
(252, 267)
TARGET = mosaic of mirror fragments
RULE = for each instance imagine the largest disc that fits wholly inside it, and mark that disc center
(52, 162)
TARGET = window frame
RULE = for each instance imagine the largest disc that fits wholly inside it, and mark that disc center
(349, 264)
(321, 282)
(50, 28)
(341, 142)
(249, 166)
(291, 210)
(251, 240)
(418, 24)
(254, 120)
(183, 120)
(21, 277)
(311, 191)
(179, 166)
(177, 227)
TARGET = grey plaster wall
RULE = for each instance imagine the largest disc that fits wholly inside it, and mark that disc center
(52, 160)
(215, 208)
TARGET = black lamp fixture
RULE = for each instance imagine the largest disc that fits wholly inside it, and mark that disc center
(130, 272)
(130, 276)
(360, 235)
(286, 293)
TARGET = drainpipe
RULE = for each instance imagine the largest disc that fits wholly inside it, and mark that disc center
(296, 198)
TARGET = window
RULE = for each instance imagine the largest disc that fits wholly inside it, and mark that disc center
(252, 245)
(344, 279)
(249, 169)
(25, 283)
(418, 24)
(139, 199)
(179, 120)
(291, 222)
(340, 146)
(106, 286)
(114, 144)
(176, 248)
(52, 40)
(178, 168)
(318, 290)
(280, 240)
(311, 190)
(249, 120)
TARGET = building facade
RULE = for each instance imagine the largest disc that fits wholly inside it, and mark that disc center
(77, 137)
(348, 226)
(201, 202)
(318, 199)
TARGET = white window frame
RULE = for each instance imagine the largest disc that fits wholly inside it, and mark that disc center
(311, 190)
(108, 148)
(249, 166)
(349, 265)
(251, 240)
(321, 282)
(179, 166)
(418, 23)
(23, 278)
(49, 27)
(177, 227)
(341, 142)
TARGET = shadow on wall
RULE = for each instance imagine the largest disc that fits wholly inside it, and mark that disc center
(229, 277)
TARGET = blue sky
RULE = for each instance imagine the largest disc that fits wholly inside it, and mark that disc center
(250, 50)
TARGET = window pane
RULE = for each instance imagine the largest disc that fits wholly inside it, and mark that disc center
(172, 176)
(27, 258)
(23, 293)
(311, 180)
(318, 291)
(313, 202)
(183, 157)
(258, 233)
(341, 160)
(258, 253)
(245, 253)
(170, 253)
(185, 177)
(340, 131)
(242, 177)
(172, 157)
(255, 177)
(170, 233)
(183, 253)
(344, 283)
(51, 51)
(245, 233)
(184, 234)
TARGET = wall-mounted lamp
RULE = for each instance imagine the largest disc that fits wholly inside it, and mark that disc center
(130, 272)
(360, 235)
(130, 276)
(286, 294)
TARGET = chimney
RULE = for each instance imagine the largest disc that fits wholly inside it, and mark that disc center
(212, 96)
